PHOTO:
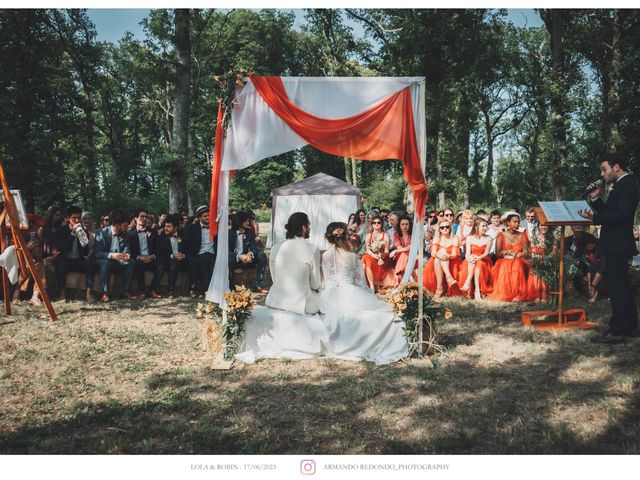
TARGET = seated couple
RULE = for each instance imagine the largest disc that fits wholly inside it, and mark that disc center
(320, 305)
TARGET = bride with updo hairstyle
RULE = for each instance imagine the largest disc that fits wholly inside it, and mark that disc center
(344, 287)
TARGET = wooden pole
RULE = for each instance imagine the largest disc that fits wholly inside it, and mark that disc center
(561, 282)
(21, 247)
(420, 289)
(5, 278)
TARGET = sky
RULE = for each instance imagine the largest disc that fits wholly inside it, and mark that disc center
(111, 24)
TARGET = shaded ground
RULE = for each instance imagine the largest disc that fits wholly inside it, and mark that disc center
(132, 377)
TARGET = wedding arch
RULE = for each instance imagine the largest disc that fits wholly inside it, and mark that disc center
(365, 118)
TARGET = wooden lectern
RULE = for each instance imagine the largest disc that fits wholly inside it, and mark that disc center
(8, 209)
(559, 214)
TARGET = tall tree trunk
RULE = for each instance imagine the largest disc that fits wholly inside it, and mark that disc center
(463, 133)
(180, 146)
(354, 172)
(439, 173)
(347, 171)
(612, 114)
(553, 19)
(488, 178)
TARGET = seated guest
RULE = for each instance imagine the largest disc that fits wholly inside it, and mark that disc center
(402, 244)
(384, 214)
(201, 251)
(52, 236)
(581, 245)
(142, 241)
(531, 222)
(541, 243)
(161, 218)
(464, 230)
(254, 225)
(113, 254)
(476, 268)
(510, 271)
(171, 250)
(76, 251)
(104, 220)
(443, 268)
(495, 227)
(393, 225)
(243, 250)
(378, 268)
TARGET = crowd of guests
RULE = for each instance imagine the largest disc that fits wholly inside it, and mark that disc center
(466, 254)
(472, 254)
(70, 241)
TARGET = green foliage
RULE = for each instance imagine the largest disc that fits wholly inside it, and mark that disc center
(386, 191)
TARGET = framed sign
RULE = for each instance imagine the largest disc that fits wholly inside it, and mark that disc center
(20, 210)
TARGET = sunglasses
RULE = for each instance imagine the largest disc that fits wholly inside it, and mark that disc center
(377, 223)
(445, 227)
(448, 214)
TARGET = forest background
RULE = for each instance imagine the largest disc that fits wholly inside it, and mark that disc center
(515, 114)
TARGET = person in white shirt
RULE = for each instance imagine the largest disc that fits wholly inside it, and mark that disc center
(295, 270)
(201, 251)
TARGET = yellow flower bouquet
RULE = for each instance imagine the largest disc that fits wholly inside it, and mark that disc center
(224, 329)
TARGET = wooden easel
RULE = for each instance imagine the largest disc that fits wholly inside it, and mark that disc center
(560, 319)
(24, 255)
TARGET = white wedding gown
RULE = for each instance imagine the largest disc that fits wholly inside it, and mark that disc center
(353, 325)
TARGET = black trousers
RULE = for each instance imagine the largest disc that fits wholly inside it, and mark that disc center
(624, 315)
(78, 265)
(172, 266)
(141, 268)
(201, 266)
(259, 262)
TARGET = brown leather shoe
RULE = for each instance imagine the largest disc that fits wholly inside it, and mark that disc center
(105, 298)
(141, 296)
(608, 339)
(155, 295)
(170, 295)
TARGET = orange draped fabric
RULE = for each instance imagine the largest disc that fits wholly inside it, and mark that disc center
(383, 132)
(215, 174)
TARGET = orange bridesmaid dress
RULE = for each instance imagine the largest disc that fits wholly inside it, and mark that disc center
(484, 266)
(429, 279)
(510, 274)
(383, 275)
(536, 288)
(402, 258)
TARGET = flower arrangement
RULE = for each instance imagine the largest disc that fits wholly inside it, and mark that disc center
(404, 303)
(377, 247)
(223, 329)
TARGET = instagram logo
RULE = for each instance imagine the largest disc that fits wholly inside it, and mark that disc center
(308, 467)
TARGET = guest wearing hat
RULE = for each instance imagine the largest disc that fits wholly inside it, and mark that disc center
(200, 250)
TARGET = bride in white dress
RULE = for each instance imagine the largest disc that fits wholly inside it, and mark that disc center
(354, 324)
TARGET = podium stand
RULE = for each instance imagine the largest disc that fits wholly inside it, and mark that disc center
(560, 319)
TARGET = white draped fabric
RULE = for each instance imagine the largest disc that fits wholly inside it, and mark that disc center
(321, 210)
(256, 132)
(367, 335)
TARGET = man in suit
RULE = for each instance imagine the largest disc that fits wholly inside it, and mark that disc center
(616, 244)
(201, 251)
(295, 270)
(171, 252)
(113, 253)
(243, 250)
(75, 252)
(142, 241)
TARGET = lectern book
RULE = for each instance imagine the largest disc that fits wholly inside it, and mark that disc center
(565, 212)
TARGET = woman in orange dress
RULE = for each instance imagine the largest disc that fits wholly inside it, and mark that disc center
(402, 245)
(476, 267)
(537, 290)
(510, 271)
(378, 268)
(464, 229)
(443, 268)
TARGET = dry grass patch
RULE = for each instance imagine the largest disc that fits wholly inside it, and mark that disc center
(132, 377)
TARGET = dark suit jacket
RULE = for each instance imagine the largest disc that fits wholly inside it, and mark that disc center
(102, 247)
(164, 246)
(193, 238)
(248, 242)
(67, 242)
(616, 217)
(134, 242)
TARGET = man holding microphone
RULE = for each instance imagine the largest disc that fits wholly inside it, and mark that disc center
(616, 244)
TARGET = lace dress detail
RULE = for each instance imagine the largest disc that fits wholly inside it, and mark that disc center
(340, 267)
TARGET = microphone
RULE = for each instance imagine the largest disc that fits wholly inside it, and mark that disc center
(592, 186)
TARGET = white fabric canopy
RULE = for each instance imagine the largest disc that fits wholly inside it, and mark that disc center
(256, 132)
(321, 210)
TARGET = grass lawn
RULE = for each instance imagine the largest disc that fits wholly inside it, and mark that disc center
(132, 377)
